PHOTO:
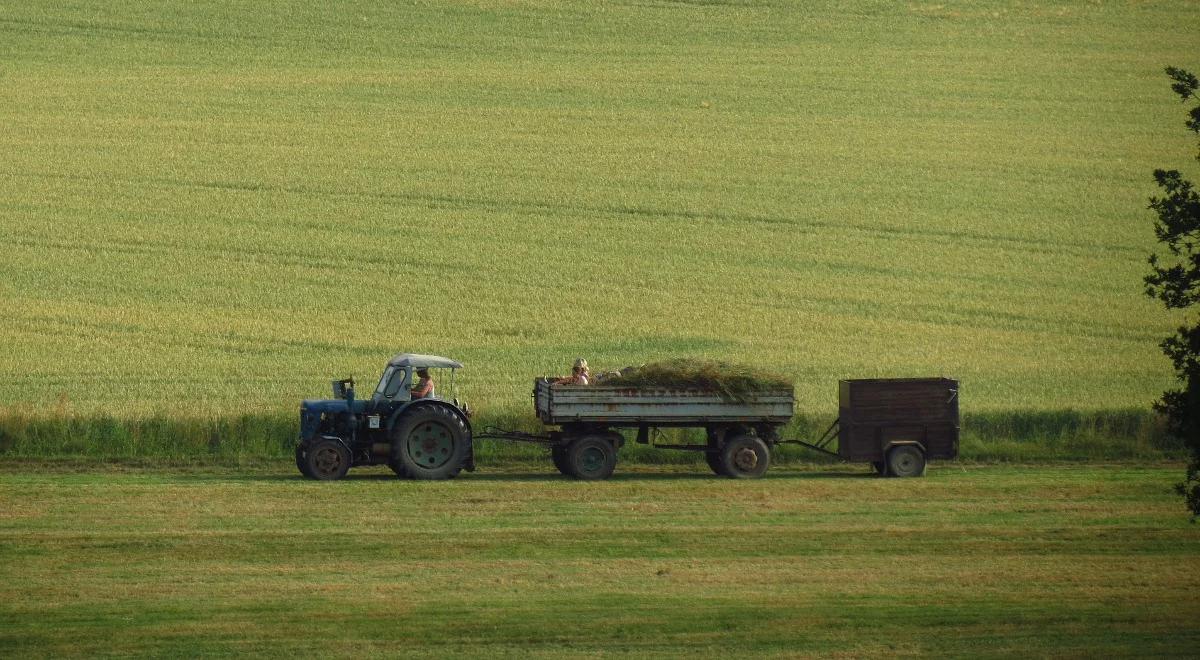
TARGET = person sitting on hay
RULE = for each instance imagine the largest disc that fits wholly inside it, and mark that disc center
(579, 374)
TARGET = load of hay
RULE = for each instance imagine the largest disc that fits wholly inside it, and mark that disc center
(733, 381)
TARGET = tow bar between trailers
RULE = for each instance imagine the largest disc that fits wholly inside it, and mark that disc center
(822, 443)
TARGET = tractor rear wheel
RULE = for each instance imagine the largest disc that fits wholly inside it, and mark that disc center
(327, 460)
(591, 458)
(745, 457)
(431, 442)
(397, 468)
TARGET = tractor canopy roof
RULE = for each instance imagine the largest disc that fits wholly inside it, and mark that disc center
(417, 361)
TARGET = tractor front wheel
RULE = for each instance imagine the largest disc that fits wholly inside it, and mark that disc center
(302, 462)
(327, 460)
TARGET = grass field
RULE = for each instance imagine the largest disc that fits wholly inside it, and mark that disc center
(211, 209)
(1093, 561)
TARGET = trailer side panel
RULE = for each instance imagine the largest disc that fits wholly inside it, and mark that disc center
(626, 406)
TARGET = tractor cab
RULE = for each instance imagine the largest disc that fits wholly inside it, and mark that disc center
(400, 377)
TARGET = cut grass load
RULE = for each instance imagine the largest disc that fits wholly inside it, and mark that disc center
(733, 381)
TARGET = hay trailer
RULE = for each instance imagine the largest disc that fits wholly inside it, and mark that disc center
(739, 432)
(895, 424)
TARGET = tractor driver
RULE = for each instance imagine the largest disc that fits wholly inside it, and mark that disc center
(424, 387)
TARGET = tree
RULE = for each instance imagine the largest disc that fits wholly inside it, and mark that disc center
(1175, 281)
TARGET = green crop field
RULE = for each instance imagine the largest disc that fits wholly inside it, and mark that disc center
(1000, 561)
(211, 209)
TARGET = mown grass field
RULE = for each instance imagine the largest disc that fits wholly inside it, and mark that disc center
(211, 209)
(1093, 561)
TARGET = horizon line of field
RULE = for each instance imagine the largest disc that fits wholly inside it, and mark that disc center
(1127, 433)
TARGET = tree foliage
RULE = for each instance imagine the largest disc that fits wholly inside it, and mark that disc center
(1175, 280)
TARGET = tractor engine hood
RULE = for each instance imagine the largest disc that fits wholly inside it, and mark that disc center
(311, 411)
(325, 406)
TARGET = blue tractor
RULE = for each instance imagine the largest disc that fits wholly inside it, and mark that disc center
(419, 438)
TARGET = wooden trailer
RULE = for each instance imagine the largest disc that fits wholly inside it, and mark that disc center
(896, 424)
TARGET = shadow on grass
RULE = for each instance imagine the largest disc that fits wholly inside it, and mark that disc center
(522, 477)
(666, 476)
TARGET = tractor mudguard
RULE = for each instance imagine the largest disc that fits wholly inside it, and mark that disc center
(395, 416)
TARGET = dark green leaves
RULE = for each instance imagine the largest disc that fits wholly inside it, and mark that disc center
(1185, 84)
(1177, 285)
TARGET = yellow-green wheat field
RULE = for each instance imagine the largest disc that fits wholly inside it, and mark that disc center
(215, 208)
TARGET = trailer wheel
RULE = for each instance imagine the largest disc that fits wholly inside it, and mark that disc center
(906, 461)
(591, 458)
(558, 456)
(327, 460)
(745, 457)
(713, 458)
(302, 462)
(431, 442)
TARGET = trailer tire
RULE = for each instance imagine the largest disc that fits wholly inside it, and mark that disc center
(713, 458)
(558, 456)
(745, 457)
(905, 461)
(591, 458)
(327, 460)
(431, 442)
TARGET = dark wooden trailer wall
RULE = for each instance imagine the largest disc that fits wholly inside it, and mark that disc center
(874, 413)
